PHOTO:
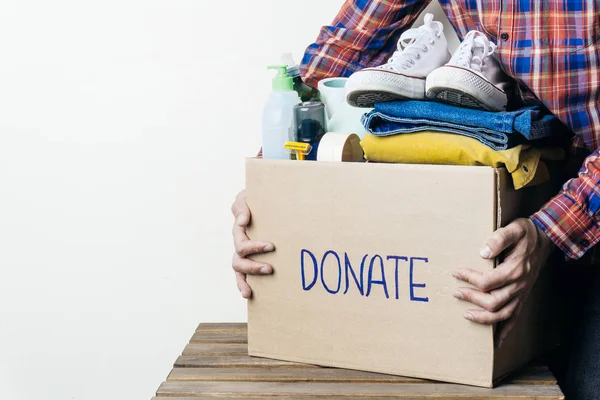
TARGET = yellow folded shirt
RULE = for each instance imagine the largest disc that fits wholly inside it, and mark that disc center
(523, 161)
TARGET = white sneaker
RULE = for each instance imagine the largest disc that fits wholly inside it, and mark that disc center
(472, 78)
(420, 51)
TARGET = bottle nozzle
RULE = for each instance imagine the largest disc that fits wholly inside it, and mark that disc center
(282, 82)
(281, 70)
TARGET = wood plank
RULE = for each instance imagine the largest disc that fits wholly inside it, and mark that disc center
(216, 349)
(260, 397)
(318, 397)
(208, 397)
(222, 326)
(277, 374)
(240, 350)
(413, 391)
(219, 337)
(234, 362)
(528, 376)
(361, 397)
(224, 358)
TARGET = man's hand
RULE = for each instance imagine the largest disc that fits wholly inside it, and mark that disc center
(502, 291)
(245, 247)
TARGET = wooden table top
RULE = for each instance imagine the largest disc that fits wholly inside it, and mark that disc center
(215, 364)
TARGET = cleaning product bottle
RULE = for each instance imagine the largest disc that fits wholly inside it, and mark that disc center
(277, 115)
(305, 92)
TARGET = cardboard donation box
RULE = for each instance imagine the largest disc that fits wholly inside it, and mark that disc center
(362, 268)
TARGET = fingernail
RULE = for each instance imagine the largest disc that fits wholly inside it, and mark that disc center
(269, 247)
(500, 343)
(456, 275)
(265, 270)
(458, 295)
(486, 252)
(468, 316)
(241, 220)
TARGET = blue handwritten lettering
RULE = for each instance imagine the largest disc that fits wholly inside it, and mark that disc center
(418, 285)
(397, 258)
(382, 282)
(339, 265)
(349, 271)
(315, 273)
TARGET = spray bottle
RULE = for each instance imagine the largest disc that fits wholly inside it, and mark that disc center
(277, 115)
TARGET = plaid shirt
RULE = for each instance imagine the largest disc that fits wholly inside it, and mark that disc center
(551, 48)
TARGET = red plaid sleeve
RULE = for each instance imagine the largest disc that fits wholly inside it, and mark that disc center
(571, 219)
(363, 34)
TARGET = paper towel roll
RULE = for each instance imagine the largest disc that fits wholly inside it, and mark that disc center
(335, 146)
(333, 94)
(342, 117)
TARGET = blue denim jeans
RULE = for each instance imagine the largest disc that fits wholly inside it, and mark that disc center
(499, 130)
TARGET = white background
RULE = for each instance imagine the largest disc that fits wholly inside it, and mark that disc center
(123, 129)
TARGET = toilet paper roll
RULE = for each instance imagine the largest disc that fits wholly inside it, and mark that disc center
(333, 94)
(335, 146)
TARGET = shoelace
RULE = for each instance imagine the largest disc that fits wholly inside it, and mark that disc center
(473, 50)
(409, 49)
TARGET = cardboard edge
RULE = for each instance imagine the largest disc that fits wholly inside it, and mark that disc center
(440, 378)
(478, 169)
(500, 177)
(498, 200)
(497, 223)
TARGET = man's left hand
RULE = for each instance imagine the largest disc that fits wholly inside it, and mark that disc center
(502, 291)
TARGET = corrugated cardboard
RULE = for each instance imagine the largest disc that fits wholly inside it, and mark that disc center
(406, 227)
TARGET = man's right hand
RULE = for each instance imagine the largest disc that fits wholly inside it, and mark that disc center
(244, 247)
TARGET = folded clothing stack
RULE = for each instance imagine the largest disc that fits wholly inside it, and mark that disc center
(420, 132)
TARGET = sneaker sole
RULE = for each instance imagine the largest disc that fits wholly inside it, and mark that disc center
(367, 87)
(368, 98)
(457, 98)
(464, 88)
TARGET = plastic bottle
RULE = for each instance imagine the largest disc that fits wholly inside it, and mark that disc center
(310, 125)
(277, 115)
(305, 92)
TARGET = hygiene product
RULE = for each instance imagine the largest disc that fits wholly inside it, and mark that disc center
(310, 125)
(298, 148)
(305, 92)
(342, 117)
(277, 115)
